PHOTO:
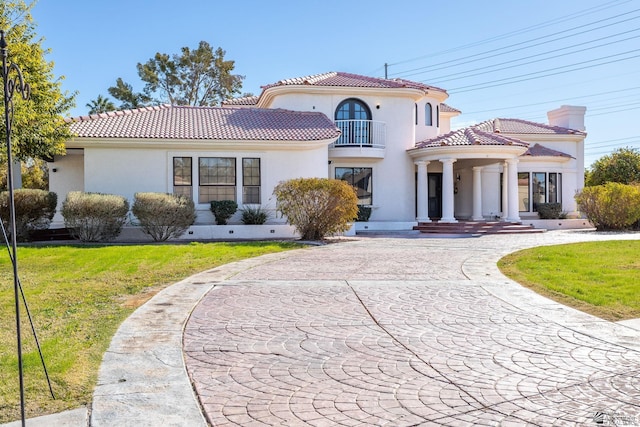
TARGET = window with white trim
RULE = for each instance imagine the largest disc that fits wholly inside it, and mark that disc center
(217, 179)
(251, 181)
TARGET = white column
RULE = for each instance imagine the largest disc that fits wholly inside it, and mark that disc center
(477, 194)
(447, 190)
(513, 215)
(423, 192)
(505, 192)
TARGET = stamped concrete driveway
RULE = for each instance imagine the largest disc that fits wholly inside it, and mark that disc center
(403, 332)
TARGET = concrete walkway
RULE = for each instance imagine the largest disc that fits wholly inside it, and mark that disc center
(371, 331)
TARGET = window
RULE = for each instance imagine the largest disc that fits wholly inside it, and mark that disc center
(217, 177)
(250, 181)
(353, 118)
(523, 191)
(428, 114)
(437, 115)
(416, 113)
(555, 188)
(539, 189)
(182, 177)
(361, 178)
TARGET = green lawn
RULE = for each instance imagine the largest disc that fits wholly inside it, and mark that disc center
(600, 278)
(78, 296)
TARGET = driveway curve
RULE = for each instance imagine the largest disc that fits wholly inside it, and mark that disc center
(404, 332)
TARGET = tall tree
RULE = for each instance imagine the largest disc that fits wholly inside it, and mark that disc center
(100, 105)
(623, 166)
(199, 77)
(38, 129)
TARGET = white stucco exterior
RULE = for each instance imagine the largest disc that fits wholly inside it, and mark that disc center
(411, 176)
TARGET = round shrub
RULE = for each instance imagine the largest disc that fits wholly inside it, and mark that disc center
(163, 216)
(317, 207)
(611, 206)
(223, 210)
(34, 210)
(94, 217)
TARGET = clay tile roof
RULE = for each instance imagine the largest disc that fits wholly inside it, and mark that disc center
(520, 126)
(351, 80)
(444, 108)
(470, 136)
(207, 123)
(537, 150)
(246, 100)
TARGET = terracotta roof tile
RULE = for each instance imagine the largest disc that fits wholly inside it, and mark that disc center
(444, 108)
(519, 126)
(537, 150)
(470, 136)
(246, 100)
(207, 123)
(351, 80)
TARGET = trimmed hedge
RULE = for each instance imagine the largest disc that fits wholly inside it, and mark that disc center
(317, 207)
(364, 213)
(611, 206)
(34, 210)
(223, 210)
(550, 211)
(163, 216)
(94, 217)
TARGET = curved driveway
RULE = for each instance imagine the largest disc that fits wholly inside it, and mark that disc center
(404, 332)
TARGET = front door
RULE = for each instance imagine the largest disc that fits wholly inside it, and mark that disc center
(435, 196)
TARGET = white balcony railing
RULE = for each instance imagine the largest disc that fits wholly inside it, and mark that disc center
(361, 133)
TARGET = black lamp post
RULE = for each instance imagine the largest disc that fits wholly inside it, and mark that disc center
(12, 85)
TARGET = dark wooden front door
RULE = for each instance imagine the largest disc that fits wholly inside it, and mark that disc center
(435, 196)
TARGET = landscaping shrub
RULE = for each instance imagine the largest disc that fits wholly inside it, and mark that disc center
(611, 206)
(34, 210)
(364, 213)
(163, 216)
(254, 215)
(223, 210)
(550, 210)
(94, 217)
(317, 207)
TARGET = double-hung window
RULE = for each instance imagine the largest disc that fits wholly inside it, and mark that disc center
(217, 179)
(182, 177)
(250, 181)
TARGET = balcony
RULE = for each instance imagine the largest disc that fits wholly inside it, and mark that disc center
(360, 138)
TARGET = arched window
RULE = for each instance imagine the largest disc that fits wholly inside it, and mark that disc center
(437, 115)
(428, 114)
(353, 118)
(416, 114)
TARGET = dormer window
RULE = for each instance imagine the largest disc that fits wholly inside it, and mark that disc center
(428, 114)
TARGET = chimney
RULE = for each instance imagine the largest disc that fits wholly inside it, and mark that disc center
(568, 116)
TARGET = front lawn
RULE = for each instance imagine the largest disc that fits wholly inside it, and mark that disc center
(600, 278)
(78, 296)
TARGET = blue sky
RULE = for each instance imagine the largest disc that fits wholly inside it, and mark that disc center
(496, 58)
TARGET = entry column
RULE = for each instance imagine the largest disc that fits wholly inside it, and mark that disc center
(423, 192)
(447, 190)
(505, 198)
(513, 215)
(477, 194)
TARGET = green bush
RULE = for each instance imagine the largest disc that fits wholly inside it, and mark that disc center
(94, 217)
(34, 210)
(611, 206)
(254, 215)
(317, 207)
(163, 216)
(549, 210)
(364, 213)
(223, 210)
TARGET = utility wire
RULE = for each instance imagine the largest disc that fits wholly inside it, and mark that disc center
(501, 51)
(515, 32)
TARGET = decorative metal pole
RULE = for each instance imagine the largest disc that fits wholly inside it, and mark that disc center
(12, 85)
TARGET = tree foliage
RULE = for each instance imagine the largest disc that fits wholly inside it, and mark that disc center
(622, 166)
(38, 129)
(317, 207)
(101, 105)
(200, 77)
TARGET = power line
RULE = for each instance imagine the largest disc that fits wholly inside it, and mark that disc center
(467, 59)
(515, 32)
